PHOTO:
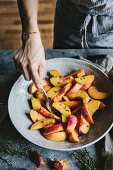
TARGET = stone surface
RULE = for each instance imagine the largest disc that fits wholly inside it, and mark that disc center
(8, 75)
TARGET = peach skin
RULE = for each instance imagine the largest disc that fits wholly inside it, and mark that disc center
(87, 115)
(62, 92)
(72, 122)
(48, 114)
(47, 122)
(96, 94)
(53, 129)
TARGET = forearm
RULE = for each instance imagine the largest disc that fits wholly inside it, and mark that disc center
(28, 10)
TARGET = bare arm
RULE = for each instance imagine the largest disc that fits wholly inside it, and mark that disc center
(28, 10)
(30, 58)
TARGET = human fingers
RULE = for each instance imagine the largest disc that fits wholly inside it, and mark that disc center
(34, 74)
(17, 56)
(26, 73)
(41, 71)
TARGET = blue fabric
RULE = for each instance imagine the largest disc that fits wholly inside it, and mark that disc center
(99, 7)
(75, 29)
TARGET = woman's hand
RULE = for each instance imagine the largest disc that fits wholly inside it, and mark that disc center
(30, 59)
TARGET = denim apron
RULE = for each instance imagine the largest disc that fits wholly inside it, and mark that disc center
(75, 28)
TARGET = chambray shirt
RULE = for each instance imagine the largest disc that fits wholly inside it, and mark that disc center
(94, 6)
(84, 23)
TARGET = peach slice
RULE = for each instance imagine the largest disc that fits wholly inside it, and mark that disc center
(55, 73)
(62, 92)
(78, 73)
(40, 95)
(32, 89)
(46, 113)
(47, 88)
(53, 92)
(62, 108)
(85, 79)
(47, 122)
(65, 98)
(46, 85)
(72, 104)
(36, 104)
(72, 122)
(61, 81)
(85, 87)
(60, 164)
(35, 116)
(93, 106)
(84, 125)
(74, 89)
(56, 137)
(87, 115)
(74, 136)
(39, 159)
(78, 116)
(53, 129)
(64, 119)
(96, 94)
(80, 94)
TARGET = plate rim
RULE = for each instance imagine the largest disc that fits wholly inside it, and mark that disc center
(68, 149)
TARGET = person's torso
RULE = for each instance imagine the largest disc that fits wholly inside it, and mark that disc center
(93, 5)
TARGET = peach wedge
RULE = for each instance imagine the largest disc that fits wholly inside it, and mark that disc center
(93, 106)
(74, 89)
(85, 87)
(53, 129)
(40, 95)
(46, 85)
(87, 115)
(72, 104)
(60, 164)
(74, 136)
(78, 73)
(62, 108)
(53, 92)
(32, 89)
(84, 125)
(61, 81)
(72, 122)
(62, 92)
(48, 114)
(36, 103)
(34, 115)
(96, 94)
(80, 95)
(56, 137)
(47, 122)
(85, 79)
(55, 73)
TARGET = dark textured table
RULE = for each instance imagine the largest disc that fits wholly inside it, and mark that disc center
(8, 133)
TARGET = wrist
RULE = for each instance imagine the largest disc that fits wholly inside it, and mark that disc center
(30, 35)
(32, 25)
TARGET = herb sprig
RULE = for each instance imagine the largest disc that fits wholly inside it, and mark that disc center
(7, 148)
(84, 160)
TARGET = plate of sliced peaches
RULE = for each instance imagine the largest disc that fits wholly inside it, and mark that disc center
(80, 96)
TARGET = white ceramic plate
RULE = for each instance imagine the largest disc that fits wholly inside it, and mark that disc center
(18, 106)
